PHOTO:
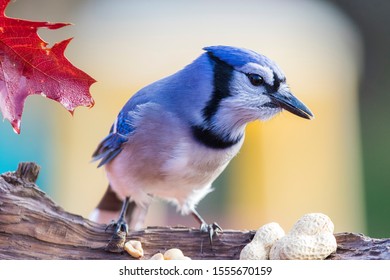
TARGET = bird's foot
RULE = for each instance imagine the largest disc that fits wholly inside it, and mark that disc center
(211, 229)
(119, 226)
(118, 239)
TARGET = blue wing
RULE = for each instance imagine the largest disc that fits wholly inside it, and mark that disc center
(123, 128)
(111, 146)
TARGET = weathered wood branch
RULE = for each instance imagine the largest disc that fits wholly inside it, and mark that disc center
(32, 226)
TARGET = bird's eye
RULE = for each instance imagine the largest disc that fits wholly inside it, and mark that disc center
(255, 79)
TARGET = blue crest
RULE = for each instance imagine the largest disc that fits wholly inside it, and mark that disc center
(237, 57)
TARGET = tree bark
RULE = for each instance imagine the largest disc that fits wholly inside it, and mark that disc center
(32, 226)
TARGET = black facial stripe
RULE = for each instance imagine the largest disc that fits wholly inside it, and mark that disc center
(270, 105)
(223, 73)
(277, 81)
(212, 140)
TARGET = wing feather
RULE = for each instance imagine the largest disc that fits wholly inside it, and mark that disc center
(112, 145)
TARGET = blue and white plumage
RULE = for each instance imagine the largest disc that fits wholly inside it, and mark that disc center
(174, 137)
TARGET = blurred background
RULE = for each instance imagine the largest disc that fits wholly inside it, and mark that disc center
(336, 58)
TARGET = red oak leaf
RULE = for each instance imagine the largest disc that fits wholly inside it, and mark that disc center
(28, 66)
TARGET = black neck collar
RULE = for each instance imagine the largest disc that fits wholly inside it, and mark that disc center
(213, 140)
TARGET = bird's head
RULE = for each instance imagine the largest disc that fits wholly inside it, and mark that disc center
(246, 86)
(250, 85)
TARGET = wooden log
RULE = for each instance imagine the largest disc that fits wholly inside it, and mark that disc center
(32, 226)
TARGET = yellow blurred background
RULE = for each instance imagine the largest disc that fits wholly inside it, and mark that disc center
(287, 167)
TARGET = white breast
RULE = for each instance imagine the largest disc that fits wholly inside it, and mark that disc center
(191, 171)
(183, 178)
(162, 159)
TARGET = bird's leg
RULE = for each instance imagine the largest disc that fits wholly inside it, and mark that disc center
(118, 239)
(211, 229)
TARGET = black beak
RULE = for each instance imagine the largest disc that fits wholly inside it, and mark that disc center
(290, 103)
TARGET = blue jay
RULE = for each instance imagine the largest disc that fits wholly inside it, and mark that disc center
(174, 137)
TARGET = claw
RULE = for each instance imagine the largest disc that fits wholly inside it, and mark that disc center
(211, 229)
(119, 226)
